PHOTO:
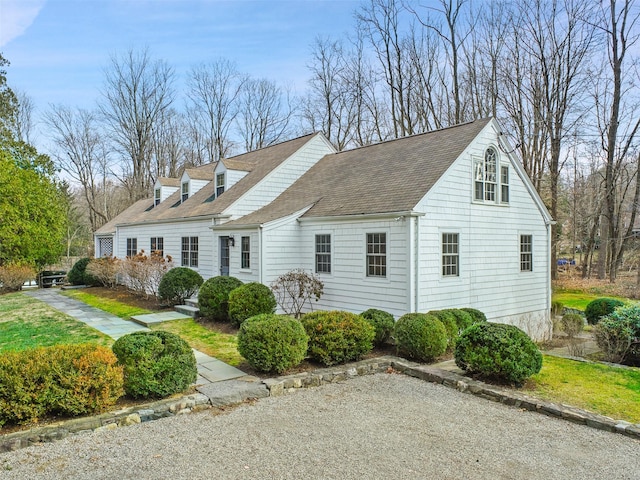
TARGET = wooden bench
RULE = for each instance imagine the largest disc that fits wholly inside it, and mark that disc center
(48, 278)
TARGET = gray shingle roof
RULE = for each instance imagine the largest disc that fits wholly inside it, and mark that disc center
(386, 177)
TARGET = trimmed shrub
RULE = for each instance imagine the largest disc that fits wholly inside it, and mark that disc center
(449, 321)
(420, 336)
(272, 343)
(476, 315)
(13, 276)
(59, 380)
(337, 336)
(618, 335)
(598, 308)
(382, 321)
(178, 284)
(249, 300)
(156, 364)
(213, 297)
(572, 324)
(463, 319)
(78, 274)
(499, 351)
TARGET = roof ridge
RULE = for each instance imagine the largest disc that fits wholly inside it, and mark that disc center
(270, 146)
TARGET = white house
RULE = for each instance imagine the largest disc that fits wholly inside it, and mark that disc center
(443, 219)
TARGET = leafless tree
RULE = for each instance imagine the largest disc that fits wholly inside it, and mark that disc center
(137, 93)
(214, 90)
(24, 122)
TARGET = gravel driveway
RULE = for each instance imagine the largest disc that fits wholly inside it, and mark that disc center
(384, 426)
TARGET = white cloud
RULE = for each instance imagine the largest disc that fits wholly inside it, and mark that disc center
(16, 16)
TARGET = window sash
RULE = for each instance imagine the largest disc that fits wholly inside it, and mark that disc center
(189, 257)
(504, 184)
(376, 254)
(132, 247)
(220, 184)
(323, 253)
(450, 255)
(157, 245)
(245, 252)
(157, 197)
(185, 191)
(526, 253)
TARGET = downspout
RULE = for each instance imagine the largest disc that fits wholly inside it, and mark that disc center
(261, 253)
(411, 277)
(416, 245)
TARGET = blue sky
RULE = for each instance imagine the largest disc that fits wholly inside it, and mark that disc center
(59, 49)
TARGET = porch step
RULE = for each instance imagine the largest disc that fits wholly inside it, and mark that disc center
(192, 302)
(188, 310)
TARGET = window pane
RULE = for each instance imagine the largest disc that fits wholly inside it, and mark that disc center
(376, 254)
(450, 256)
(245, 260)
(526, 253)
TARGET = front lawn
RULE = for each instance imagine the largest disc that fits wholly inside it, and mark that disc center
(610, 391)
(28, 323)
(110, 305)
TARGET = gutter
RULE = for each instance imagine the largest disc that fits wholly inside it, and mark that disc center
(362, 216)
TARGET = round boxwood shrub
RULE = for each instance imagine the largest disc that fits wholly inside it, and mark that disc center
(213, 297)
(249, 300)
(498, 351)
(449, 321)
(337, 336)
(476, 315)
(78, 274)
(572, 324)
(178, 284)
(272, 343)
(463, 319)
(156, 363)
(420, 336)
(382, 321)
(598, 308)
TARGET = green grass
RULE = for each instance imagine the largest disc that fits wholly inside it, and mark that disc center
(578, 299)
(28, 323)
(222, 346)
(609, 391)
(108, 305)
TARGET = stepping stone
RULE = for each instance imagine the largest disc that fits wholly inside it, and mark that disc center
(233, 391)
(150, 318)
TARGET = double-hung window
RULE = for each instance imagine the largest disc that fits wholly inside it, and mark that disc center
(185, 191)
(245, 252)
(189, 251)
(132, 247)
(157, 246)
(323, 253)
(450, 255)
(490, 179)
(376, 254)
(156, 195)
(219, 184)
(526, 253)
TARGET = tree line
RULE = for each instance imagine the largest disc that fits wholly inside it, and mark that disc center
(560, 75)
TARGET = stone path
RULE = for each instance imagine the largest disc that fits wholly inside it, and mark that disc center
(210, 369)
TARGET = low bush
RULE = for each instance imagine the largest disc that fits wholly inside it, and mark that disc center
(249, 300)
(572, 324)
(213, 297)
(156, 364)
(383, 323)
(337, 336)
(143, 273)
(449, 321)
(272, 343)
(463, 318)
(78, 274)
(498, 351)
(556, 307)
(618, 335)
(178, 284)
(476, 315)
(60, 380)
(104, 271)
(13, 276)
(598, 308)
(295, 289)
(420, 336)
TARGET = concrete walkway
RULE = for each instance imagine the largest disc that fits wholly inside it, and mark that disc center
(210, 369)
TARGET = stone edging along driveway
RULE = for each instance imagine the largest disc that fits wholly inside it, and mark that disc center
(232, 392)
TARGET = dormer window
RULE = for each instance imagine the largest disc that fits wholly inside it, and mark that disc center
(219, 184)
(156, 197)
(185, 191)
(486, 180)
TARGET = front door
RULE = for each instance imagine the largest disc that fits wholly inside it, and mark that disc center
(224, 256)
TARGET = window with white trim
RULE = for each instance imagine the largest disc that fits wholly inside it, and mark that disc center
(450, 255)
(189, 251)
(490, 179)
(376, 254)
(185, 191)
(526, 253)
(245, 252)
(132, 247)
(157, 246)
(219, 184)
(323, 253)
(156, 197)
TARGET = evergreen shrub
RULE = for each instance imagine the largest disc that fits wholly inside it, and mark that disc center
(249, 300)
(476, 314)
(383, 323)
(213, 297)
(598, 308)
(156, 363)
(420, 336)
(178, 284)
(78, 274)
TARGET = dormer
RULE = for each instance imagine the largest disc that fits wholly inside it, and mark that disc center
(193, 179)
(228, 172)
(164, 188)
